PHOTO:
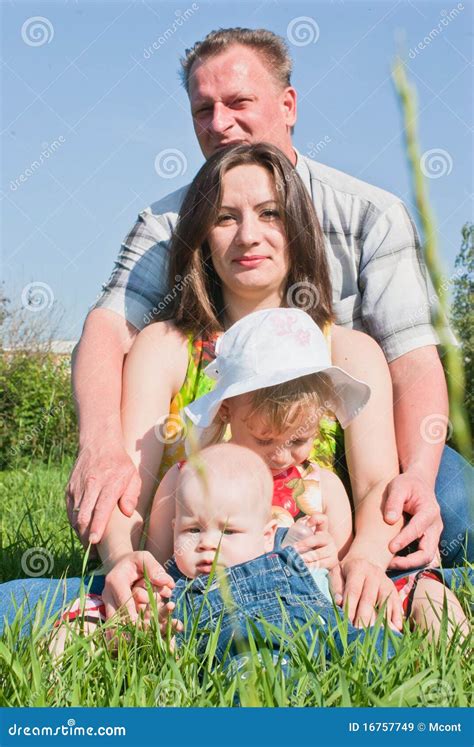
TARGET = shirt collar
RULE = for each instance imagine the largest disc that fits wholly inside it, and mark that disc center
(302, 168)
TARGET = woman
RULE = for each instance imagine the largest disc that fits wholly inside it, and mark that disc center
(247, 238)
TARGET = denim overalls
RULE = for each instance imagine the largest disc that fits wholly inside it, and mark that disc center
(275, 588)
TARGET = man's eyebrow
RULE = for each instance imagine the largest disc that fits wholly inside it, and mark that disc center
(204, 99)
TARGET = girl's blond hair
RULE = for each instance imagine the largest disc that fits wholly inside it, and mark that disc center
(286, 405)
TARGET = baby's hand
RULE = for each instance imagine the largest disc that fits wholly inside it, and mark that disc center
(164, 606)
(319, 549)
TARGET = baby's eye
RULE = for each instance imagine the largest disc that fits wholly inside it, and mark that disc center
(263, 441)
(301, 441)
(193, 530)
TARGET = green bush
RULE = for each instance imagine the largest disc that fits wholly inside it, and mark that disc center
(37, 417)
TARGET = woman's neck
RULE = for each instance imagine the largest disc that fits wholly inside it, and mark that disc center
(236, 307)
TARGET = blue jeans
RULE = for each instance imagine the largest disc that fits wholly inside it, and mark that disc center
(454, 489)
(454, 486)
(275, 590)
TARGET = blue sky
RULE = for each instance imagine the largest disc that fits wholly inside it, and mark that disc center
(84, 86)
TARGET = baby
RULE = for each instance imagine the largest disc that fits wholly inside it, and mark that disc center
(223, 526)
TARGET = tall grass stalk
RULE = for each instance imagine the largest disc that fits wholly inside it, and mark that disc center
(453, 358)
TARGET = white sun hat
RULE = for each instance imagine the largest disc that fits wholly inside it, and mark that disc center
(270, 347)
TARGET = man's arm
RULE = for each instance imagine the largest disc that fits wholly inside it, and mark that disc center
(103, 467)
(421, 418)
(397, 302)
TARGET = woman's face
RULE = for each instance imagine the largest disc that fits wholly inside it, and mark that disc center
(248, 242)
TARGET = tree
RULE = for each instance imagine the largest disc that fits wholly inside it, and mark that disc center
(462, 313)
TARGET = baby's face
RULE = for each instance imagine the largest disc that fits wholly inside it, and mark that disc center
(205, 523)
(278, 450)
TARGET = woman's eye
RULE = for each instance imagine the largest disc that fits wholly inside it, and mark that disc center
(270, 214)
(224, 218)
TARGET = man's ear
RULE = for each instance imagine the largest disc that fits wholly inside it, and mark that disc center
(288, 102)
(269, 534)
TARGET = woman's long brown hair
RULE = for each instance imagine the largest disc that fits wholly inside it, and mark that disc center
(195, 301)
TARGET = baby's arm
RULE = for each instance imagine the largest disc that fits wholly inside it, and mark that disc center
(160, 531)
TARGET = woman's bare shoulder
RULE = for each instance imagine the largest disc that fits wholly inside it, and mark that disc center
(161, 349)
(350, 345)
(163, 331)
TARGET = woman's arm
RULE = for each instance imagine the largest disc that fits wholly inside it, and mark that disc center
(154, 372)
(370, 445)
(372, 460)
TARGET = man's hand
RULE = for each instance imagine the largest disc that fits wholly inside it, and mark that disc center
(409, 493)
(103, 476)
(118, 593)
(363, 588)
(319, 548)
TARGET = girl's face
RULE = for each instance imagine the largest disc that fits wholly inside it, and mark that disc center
(278, 450)
(248, 243)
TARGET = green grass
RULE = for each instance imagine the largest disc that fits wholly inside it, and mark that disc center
(143, 672)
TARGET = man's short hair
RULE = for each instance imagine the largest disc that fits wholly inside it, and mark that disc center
(272, 48)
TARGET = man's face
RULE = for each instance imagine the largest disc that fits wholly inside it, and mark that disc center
(235, 99)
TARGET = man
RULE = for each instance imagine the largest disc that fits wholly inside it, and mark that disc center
(238, 82)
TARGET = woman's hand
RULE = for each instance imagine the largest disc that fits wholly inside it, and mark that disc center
(363, 587)
(319, 549)
(119, 583)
